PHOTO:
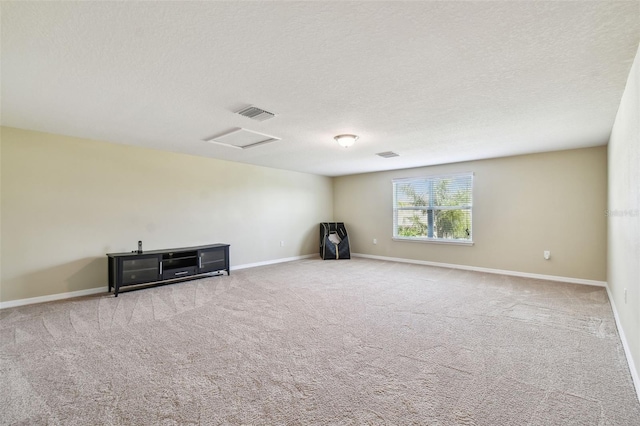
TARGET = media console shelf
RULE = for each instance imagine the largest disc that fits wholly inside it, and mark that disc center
(163, 266)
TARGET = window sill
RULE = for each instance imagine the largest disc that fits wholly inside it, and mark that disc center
(432, 241)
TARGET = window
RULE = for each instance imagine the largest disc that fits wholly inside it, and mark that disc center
(434, 208)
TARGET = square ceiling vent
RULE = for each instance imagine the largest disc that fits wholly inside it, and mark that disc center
(387, 154)
(242, 139)
(256, 113)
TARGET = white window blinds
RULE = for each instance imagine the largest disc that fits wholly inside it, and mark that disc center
(437, 208)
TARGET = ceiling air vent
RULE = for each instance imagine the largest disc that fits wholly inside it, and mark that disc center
(387, 154)
(241, 139)
(255, 113)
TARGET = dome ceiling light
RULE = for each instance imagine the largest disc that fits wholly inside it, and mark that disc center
(346, 140)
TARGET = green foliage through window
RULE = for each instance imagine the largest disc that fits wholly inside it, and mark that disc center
(435, 208)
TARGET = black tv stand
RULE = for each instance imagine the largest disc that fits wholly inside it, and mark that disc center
(156, 267)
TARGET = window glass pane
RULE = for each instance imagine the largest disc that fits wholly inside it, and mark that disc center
(454, 191)
(433, 207)
(412, 194)
(452, 224)
(412, 223)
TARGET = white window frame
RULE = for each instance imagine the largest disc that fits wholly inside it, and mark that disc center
(427, 239)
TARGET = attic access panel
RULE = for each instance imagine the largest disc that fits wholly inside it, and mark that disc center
(242, 139)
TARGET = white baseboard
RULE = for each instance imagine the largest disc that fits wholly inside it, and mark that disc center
(274, 261)
(79, 293)
(634, 372)
(52, 297)
(632, 368)
(625, 345)
(487, 270)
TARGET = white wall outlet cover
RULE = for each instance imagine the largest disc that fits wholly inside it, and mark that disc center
(375, 241)
(547, 254)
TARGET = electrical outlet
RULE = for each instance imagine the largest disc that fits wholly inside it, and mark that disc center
(547, 254)
(375, 241)
(281, 243)
(625, 296)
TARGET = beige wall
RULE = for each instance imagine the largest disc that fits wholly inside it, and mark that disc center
(624, 208)
(0, 215)
(522, 206)
(66, 202)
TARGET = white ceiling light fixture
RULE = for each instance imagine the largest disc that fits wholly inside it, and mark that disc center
(346, 140)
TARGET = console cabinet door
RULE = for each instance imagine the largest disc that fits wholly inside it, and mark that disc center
(214, 259)
(140, 269)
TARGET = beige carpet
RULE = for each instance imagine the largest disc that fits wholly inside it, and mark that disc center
(321, 342)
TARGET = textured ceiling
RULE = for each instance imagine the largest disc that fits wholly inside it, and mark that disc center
(436, 82)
